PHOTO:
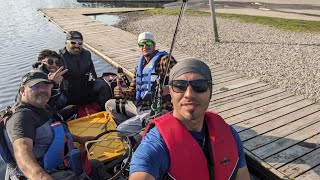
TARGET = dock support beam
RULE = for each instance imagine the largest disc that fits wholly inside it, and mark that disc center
(214, 21)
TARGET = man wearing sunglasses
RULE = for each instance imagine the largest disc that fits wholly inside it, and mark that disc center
(190, 142)
(137, 99)
(50, 63)
(77, 85)
(36, 140)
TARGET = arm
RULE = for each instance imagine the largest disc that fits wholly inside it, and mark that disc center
(26, 161)
(92, 69)
(243, 174)
(151, 159)
(141, 176)
(82, 139)
(130, 93)
(163, 67)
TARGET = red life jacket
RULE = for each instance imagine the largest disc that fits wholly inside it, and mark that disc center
(187, 160)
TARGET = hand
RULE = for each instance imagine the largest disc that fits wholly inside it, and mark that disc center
(83, 139)
(57, 76)
(117, 91)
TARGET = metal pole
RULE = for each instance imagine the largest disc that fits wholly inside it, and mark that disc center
(214, 21)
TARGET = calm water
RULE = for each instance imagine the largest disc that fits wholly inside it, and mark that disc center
(23, 34)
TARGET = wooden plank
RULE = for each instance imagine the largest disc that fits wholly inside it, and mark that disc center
(312, 174)
(228, 78)
(237, 88)
(226, 98)
(290, 159)
(303, 164)
(235, 85)
(284, 143)
(228, 83)
(270, 115)
(248, 100)
(220, 76)
(255, 104)
(220, 71)
(280, 127)
(263, 167)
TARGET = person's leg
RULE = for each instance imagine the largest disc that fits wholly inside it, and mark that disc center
(97, 170)
(102, 92)
(68, 112)
(133, 126)
(121, 109)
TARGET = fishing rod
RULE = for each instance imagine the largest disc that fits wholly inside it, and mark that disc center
(182, 10)
(157, 108)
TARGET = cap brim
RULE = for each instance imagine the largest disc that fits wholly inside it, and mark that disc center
(35, 81)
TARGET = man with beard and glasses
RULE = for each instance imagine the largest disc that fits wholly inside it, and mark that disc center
(137, 99)
(36, 137)
(79, 89)
(190, 142)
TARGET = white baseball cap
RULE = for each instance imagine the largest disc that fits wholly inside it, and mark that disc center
(146, 36)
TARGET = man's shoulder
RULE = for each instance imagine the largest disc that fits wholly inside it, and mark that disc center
(165, 58)
(164, 55)
(22, 110)
(63, 51)
(154, 132)
(153, 142)
(20, 116)
(85, 52)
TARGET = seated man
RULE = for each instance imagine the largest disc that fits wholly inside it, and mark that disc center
(137, 99)
(31, 134)
(191, 142)
(50, 63)
(79, 89)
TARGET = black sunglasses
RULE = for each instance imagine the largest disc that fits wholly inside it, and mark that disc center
(198, 86)
(74, 43)
(51, 62)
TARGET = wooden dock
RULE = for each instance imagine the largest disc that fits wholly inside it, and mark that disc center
(280, 131)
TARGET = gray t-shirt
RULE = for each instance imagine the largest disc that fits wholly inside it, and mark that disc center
(31, 122)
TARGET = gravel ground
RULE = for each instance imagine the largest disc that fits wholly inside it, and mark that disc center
(286, 60)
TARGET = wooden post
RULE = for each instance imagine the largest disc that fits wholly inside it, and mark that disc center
(214, 21)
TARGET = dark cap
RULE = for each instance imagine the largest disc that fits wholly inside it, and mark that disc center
(33, 77)
(190, 65)
(74, 35)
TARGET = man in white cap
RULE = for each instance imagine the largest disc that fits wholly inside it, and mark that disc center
(190, 142)
(141, 93)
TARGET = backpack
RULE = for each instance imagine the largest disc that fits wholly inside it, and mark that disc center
(5, 153)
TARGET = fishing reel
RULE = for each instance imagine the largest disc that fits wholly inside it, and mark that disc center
(156, 106)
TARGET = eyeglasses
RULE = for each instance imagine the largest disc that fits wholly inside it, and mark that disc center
(198, 86)
(148, 43)
(74, 43)
(51, 62)
(39, 85)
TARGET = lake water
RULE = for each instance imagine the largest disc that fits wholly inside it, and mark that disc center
(23, 34)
